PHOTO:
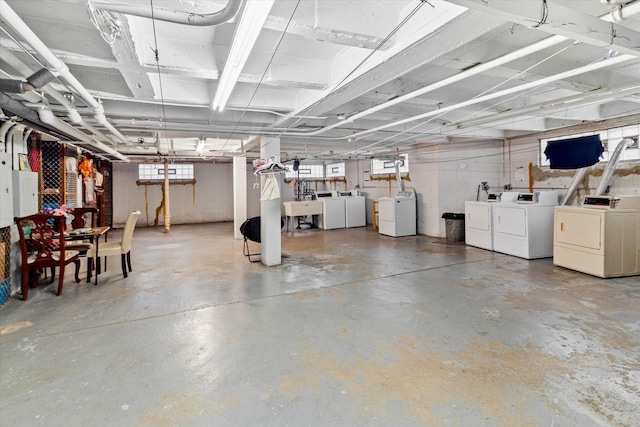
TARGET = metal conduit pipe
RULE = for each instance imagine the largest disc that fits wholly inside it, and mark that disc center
(25, 139)
(612, 165)
(577, 179)
(100, 117)
(57, 66)
(175, 16)
(4, 129)
(14, 143)
(49, 118)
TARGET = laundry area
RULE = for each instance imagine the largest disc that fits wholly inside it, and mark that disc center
(320, 213)
(354, 328)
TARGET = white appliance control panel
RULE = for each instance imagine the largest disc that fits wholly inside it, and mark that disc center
(546, 198)
(612, 202)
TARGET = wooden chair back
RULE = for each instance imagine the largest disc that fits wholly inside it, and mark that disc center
(84, 218)
(42, 245)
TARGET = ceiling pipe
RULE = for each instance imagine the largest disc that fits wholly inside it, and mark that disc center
(175, 16)
(622, 12)
(29, 116)
(56, 65)
(25, 138)
(72, 113)
(14, 143)
(4, 128)
(207, 105)
(47, 116)
(626, 12)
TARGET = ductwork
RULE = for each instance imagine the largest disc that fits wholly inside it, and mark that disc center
(56, 65)
(175, 16)
(612, 165)
(49, 123)
(577, 179)
(35, 81)
(398, 176)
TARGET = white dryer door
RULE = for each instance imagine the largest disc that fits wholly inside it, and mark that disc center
(478, 217)
(386, 209)
(579, 228)
(510, 220)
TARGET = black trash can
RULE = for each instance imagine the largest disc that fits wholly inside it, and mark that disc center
(454, 224)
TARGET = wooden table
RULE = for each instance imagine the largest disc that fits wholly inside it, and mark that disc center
(94, 237)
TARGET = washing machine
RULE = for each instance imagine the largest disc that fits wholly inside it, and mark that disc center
(355, 211)
(397, 215)
(525, 228)
(601, 237)
(333, 211)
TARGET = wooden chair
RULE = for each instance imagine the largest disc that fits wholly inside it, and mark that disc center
(122, 248)
(43, 248)
(84, 218)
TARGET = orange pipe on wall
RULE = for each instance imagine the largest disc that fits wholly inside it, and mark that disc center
(530, 177)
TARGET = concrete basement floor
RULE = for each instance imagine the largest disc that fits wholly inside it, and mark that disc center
(353, 329)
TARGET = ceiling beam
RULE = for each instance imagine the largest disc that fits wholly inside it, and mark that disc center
(554, 18)
(423, 50)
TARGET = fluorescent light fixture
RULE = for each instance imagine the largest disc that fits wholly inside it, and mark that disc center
(254, 14)
(200, 146)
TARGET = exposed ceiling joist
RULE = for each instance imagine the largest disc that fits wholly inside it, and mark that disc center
(555, 18)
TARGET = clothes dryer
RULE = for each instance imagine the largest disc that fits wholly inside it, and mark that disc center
(355, 212)
(478, 224)
(601, 237)
(397, 215)
(333, 213)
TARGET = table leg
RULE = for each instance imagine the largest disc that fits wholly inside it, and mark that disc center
(97, 260)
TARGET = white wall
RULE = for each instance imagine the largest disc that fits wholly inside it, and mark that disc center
(213, 201)
(625, 182)
(444, 178)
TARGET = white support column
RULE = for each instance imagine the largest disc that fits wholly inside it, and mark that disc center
(239, 194)
(270, 211)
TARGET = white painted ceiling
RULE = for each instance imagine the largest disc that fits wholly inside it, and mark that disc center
(317, 63)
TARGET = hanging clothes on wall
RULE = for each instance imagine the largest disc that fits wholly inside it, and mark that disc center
(574, 153)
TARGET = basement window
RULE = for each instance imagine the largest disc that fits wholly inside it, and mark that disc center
(334, 170)
(306, 172)
(609, 138)
(155, 171)
(385, 167)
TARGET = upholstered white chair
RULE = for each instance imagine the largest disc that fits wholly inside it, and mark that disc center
(122, 248)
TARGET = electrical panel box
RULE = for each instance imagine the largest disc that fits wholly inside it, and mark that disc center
(25, 193)
(6, 191)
